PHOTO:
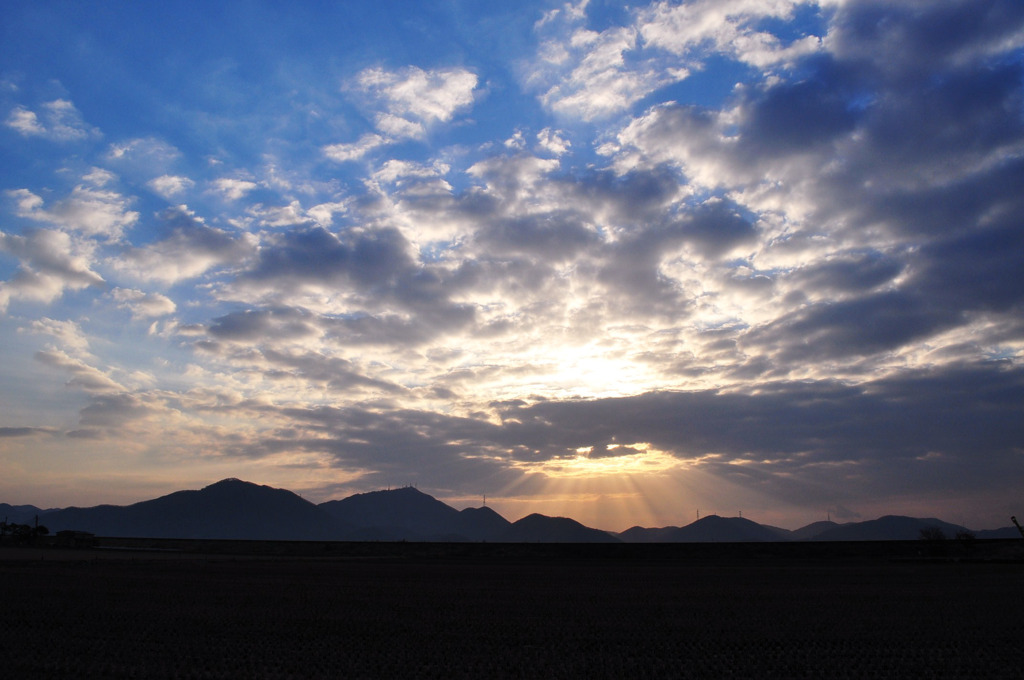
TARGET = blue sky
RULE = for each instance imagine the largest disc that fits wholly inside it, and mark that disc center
(617, 262)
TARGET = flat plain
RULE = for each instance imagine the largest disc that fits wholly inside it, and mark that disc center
(395, 611)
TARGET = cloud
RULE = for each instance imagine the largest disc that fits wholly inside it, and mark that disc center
(189, 249)
(368, 272)
(57, 121)
(553, 142)
(112, 411)
(727, 27)
(595, 74)
(234, 189)
(23, 431)
(356, 150)
(50, 262)
(279, 216)
(89, 210)
(143, 305)
(263, 325)
(149, 149)
(83, 375)
(68, 332)
(408, 102)
(170, 186)
(418, 95)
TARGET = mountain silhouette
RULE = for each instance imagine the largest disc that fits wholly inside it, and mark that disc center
(722, 529)
(404, 514)
(481, 524)
(230, 508)
(234, 509)
(887, 528)
(537, 528)
(407, 514)
(813, 530)
(21, 514)
(640, 534)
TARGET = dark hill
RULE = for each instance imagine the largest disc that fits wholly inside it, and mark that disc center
(480, 524)
(645, 535)
(814, 529)
(21, 514)
(888, 528)
(537, 528)
(228, 509)
(722, 529)
(404, 514)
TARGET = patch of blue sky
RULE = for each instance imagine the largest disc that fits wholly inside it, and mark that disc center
(807, 19)
(708, 87)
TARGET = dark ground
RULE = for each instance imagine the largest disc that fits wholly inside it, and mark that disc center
(395, 610)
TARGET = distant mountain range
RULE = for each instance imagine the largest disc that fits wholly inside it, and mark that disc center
(234, 509)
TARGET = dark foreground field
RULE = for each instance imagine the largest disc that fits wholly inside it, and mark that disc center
(488, 614)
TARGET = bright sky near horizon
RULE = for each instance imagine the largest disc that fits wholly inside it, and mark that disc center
(622, 263)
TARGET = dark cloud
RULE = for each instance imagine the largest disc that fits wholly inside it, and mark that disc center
(263, 325)
(904, 39)
(336, 373)
(980, 270)
(374, 265)
(965, 419)
(625, 199)
(878, 322)
(796, 117)
(22, 431)
(552, 237)
(112, 410)
(394, 446)
(188, 248)
(715, 227)
(847, 273)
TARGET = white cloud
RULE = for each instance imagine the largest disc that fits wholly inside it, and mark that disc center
(83, 375)
(144, 150)
(68, 332)
(408, 103)
(191, 249)
(593, 74)
(397, 127)
(279, 216)
(50, 262)
(323, 213)
(426, 96)
(58, 121)
(170, 186)
(143, 305)
(724, 26)
(553, 142)
(89, 210)
(517, 141)
(600, 81)
(394, 170)
(234, 189)
(356, 150)
(26, 122)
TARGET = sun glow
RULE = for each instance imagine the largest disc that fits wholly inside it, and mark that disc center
(640, 459)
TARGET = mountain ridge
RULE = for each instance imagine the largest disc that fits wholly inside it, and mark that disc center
(236, 509)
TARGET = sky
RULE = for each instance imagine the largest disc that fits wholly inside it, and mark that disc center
(626, 263)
